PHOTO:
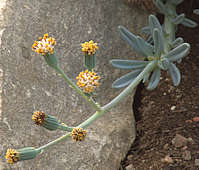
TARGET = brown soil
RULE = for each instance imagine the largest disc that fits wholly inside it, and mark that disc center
(170, 110)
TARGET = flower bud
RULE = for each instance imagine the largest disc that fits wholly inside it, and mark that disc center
(45, 120)
(14, 156)
(78, 134)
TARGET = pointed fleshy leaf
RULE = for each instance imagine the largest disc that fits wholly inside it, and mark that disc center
(196, 11)
(177, 42)
(146, 30)
(150, 40)
(189, 23)
(154, 23)
(158, 43)
(178, 52)
(126, 79)
(146, 48)
(146, 77)
(175, 2)
(175, 74)
(155, 79)
(128, 64)
(163, 64)
(130, 38)
(162, 8)
(179, 19)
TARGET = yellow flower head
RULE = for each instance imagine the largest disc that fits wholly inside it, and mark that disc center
(89, 47)
(78, 134)
(45, 45)
(12, 156)
(38, 117)
(88, 81)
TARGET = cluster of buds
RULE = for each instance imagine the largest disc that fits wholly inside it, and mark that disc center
(89, 48)
(88, 81)
(78, 134)
(45, 45)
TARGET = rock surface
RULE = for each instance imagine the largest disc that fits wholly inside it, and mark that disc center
(29, 84)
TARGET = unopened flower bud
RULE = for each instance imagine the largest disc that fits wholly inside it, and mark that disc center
(78, 134)
(45, 120)
(15, 155)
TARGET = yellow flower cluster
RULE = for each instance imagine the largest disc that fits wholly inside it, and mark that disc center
(45, 45)
(38, 117)
(88, 81)
(78, 134)
(89, 47)
(12, 156)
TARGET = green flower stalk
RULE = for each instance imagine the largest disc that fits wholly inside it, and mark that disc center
(27, 153)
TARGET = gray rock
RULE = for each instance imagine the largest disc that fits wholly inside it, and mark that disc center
(29, 84)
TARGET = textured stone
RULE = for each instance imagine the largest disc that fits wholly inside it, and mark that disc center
(179, 141)
(29, 84)
(186, 155)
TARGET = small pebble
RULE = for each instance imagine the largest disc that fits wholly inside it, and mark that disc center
(166, 146)
(184, 148)
(167, 159)
(179, 141)
(196, 162)
(129, 157)
(186, 155)
(188, 121)
(173, 108)
(129, 167)
(196, 119)
(190, 140)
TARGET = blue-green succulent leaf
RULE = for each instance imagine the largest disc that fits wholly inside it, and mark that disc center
(177, 42)
(196, 11)
(179, 61)
(175, 2)
(150, 40)
(158, 42)
(179, 19)
(154, 23)
(162, 8)
(130, 38)
(146, 48)
(126, 79)
(175, 74)
(155, 79)
(178, 52)
(128, 64)
(164, 64)
(146, 30)
(146, 77)
(189, 23)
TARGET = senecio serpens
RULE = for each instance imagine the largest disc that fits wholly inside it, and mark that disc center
(160, 52)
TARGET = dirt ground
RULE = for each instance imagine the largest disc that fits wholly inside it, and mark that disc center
(169, 111)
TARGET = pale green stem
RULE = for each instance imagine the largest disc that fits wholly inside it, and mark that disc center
(169, 28)
(65, 128)
(108, 106)
(78, 90)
